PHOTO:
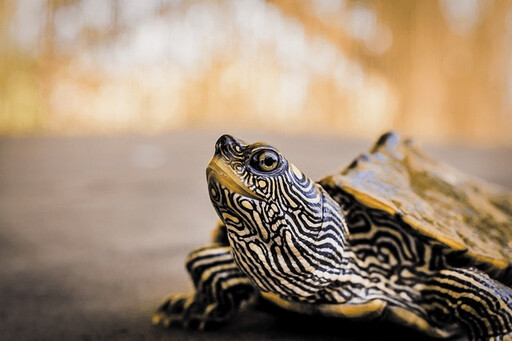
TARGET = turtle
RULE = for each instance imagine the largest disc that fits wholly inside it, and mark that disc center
(395, 236)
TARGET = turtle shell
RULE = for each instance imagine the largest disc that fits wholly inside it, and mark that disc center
(464, 213)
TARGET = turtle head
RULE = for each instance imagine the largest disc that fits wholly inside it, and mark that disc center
(286, 232)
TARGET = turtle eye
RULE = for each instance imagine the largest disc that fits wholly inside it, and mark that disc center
(265, 161)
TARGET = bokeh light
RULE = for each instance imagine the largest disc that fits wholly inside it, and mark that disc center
(438, 70)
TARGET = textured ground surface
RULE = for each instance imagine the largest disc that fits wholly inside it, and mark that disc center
(93, 232)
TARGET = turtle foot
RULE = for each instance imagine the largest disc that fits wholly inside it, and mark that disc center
(189, 312)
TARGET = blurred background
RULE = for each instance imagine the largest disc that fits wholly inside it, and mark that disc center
(109, 111)
(437, 70)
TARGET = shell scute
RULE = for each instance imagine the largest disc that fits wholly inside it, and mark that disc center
(466, 214)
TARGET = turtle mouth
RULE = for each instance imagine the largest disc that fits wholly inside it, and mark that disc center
(218, 172)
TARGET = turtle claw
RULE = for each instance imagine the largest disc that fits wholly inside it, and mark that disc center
(172, 311)
(188, 312)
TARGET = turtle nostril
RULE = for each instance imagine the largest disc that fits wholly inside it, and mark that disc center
(226, 139)
(224, 145)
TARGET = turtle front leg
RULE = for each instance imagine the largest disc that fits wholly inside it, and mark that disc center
(221, 290)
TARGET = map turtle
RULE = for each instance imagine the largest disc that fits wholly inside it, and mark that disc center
(395, 236)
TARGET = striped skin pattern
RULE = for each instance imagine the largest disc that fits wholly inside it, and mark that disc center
(311, 243)
(422, 274)
(287, 240)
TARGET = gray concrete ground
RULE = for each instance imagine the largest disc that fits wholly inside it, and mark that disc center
(94, 232)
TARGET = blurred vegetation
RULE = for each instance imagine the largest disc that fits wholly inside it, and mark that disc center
(21, 96)
(437, 70)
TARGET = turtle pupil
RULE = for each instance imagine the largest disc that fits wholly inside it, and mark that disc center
(269, 161)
